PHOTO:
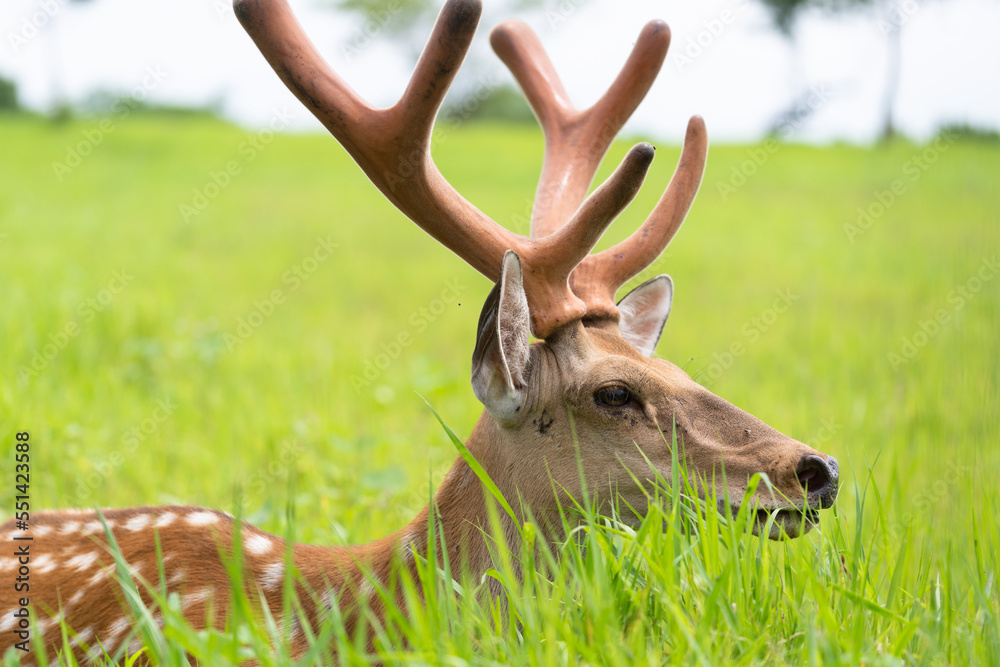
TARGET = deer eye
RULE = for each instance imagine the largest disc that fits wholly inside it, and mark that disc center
(615, 395)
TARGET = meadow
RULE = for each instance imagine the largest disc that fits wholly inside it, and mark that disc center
(195, 313)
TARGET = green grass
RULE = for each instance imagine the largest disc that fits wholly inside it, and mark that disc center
(152, 400)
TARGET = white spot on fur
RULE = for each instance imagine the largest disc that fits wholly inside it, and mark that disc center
(196, 597)
(43, 564)
(137, 523)
(82, 636)
(258, 544)
(328, 600)
(9, 621)
(83, 561)
(76, 597)
(46, 623)
(292, 628)
(69, 528)
(97, 577)
(165, 519)
(117, 628)
(42, 531)
(412, 541)
(177, 577)
(134, 646)
(96, 527)
(202, 518)
(273, 575)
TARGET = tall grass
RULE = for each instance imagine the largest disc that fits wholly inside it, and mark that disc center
(902, 570)
(685, 585)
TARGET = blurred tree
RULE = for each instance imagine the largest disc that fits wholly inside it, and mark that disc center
(891, 15)
(61, 109)
(965, 131)
(8, 96)
(398, 19)
(412, 18)
(408, 22)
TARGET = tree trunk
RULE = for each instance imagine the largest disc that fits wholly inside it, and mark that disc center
(893, 38)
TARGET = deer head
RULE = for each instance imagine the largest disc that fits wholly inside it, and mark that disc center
(590, 379)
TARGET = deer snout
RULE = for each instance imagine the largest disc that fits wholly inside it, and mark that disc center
(819, 478)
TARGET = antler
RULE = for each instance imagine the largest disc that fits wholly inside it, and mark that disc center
(392, 146)
(575, 143)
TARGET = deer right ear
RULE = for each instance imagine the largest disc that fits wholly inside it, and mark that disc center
(501, 356)
(644, 311)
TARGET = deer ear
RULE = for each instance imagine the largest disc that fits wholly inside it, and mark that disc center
(644, 311)
(501, 356)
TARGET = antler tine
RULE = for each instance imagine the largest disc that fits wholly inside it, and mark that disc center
(598, 277)
(552, 259)
(575, 141)
(438, 64)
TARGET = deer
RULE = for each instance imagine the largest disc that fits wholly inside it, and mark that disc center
(586, 400)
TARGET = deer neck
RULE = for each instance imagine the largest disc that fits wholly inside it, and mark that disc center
(462, 522)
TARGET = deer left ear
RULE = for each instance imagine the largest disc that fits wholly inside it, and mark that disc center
(644, 311)
(501, 356)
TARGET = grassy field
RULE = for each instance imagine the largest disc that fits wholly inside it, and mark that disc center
(192, 311)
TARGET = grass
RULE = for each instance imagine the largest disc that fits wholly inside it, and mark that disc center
(159, 386)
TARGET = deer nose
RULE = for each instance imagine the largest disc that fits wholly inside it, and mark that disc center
(819, 478)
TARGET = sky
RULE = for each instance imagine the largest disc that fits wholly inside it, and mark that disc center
(726, 62)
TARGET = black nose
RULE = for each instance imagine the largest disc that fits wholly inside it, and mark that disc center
(819, 478)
